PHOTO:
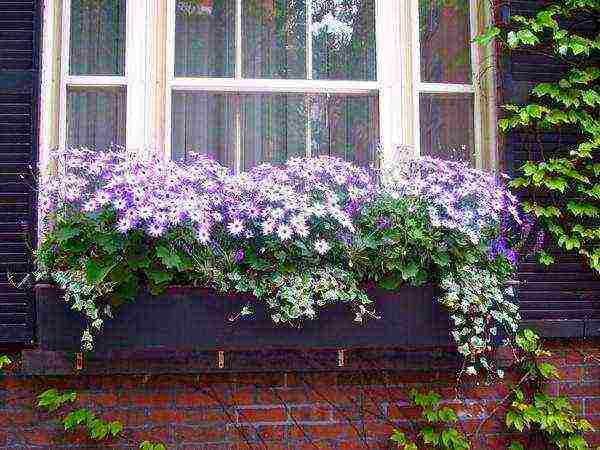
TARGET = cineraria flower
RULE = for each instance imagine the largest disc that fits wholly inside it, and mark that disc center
(236, 227)
(284, 232)
(203, 235)
(155, 229)
(321, 246)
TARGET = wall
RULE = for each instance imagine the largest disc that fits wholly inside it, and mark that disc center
(278, 410)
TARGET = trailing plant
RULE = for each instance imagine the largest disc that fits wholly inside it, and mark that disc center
(83, 418)
(565, 184)
(298, 236)
(437, 433)
(552, 418)
(539, 419)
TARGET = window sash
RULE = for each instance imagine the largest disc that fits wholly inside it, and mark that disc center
(263, 85)
(134, 79)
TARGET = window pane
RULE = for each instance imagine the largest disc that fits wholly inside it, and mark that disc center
(203, 123)
(273, 127)
(205, 38)
(274, 38)
(96, 116)
(447, 128)
(346, 126)
(445, 41)
(97, 37)
(343, 33)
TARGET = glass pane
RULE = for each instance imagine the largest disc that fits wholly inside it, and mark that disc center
(96, 116)
(203, 123)
(205, 38)
(343, 33)
(447, 127)
(346, 126)
(445, 41)
(274, 38)
(273, 127)
(97, 37)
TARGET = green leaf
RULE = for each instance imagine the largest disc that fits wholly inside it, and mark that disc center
(548, 371)
(160, 276)
(169, 257)
(4, 361)
(115, 427)
(64, 233)
(515, 446)
(430, 436)
(95, 272)
(490, 34)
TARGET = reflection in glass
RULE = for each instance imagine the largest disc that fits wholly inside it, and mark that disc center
(447, 127)
(205, 38)
(96, 116)
(445, 41)
(97, 37)
(343, 33)
(203, 123)
(346, 126)
(273, 127)
(274, 38)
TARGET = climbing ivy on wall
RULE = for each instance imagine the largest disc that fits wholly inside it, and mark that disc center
(565, 185)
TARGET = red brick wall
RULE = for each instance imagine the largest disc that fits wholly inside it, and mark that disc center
(278, 410)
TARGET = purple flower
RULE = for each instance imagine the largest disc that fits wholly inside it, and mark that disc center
(383, 223)
(239, 255)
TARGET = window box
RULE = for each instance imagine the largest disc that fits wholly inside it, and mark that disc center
(194, 318)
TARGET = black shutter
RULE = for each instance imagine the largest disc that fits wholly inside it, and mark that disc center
(19, 36)
(562, 300)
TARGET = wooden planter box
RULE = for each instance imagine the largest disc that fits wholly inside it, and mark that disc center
(198, 319)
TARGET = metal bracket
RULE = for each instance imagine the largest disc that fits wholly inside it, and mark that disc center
(221, 359)
(341, 358)
(78, 361)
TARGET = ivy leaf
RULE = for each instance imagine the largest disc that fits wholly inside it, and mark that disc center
(160, 276)
(65, 233)
(548, 371)
(515, 446)
(115, 427)
(4, 361)
(490, 34)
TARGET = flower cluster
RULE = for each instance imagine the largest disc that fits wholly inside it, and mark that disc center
(459, 196)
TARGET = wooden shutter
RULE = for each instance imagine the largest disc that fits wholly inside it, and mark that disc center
(19, 26)
(562, 300)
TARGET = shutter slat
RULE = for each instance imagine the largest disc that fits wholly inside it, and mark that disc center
(19, 24)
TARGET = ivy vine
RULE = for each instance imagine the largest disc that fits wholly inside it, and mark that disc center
(564, 186)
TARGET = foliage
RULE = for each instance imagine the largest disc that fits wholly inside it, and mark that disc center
(298, 236)
(552, 417)
(531, 413)
(4, 361)
(437, 433)
(85, 419)
(566, 183)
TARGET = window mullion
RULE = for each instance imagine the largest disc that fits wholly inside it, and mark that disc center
(309, 75)
(238, 76)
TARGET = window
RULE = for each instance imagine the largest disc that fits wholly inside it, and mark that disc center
(248, 81)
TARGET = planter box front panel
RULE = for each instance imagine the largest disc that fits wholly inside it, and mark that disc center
(199, 319)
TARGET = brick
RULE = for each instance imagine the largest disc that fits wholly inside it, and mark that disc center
(592, 406)
(146, 398)
(130, 417)
(199, 434)
(311, 413)
(195, 398)
(580, 389)
(268, 414)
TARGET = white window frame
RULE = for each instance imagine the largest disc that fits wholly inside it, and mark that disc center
(150, 79)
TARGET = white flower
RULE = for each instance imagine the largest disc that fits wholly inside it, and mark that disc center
(321, 246)
(236, 227)
(284, 232)
(203, 235)
(471, 370)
